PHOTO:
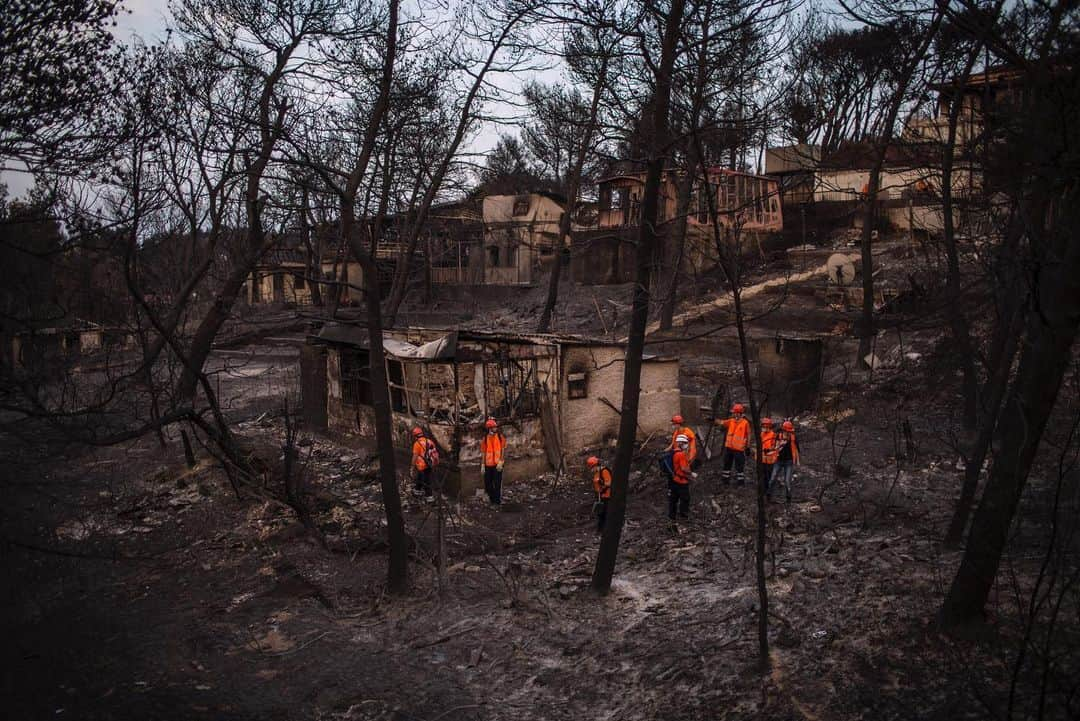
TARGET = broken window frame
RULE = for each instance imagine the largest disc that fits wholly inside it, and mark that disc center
(605, 196)
(395, 382)
(577, 385)
(355, 372)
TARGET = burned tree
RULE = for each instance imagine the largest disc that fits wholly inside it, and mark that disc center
(589, 53)
(670, 19)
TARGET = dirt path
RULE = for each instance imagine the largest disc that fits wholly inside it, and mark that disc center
(703, 307)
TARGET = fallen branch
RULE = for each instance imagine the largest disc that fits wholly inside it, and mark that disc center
(445, 637)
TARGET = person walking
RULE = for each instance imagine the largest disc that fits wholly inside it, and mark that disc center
(736, 439)
(677, 429)
(601, 480)
(768, 451)
(679, 485)
(787, 457)
(492, 458)
(425, 457)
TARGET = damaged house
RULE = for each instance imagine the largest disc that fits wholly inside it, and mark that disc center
(605, 253)
(510, 242)
(552, 395)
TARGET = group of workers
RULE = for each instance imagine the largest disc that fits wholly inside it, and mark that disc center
(779, 453)
(425, 458)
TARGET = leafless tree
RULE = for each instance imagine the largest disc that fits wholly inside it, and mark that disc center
(668, 22)
(1030, 180)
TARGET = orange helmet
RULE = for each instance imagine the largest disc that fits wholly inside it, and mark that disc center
(592, 462)
(676, 418)
(417, 432)
(738, 408)
(490, 423)
(788, 426)
(766, 421)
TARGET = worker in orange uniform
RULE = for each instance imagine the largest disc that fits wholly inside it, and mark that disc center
(492, 453)
(768, 450)
(679, 429)
(601, 481)
(736, 439)
(679, 485)
(787, 457)
(425, 457)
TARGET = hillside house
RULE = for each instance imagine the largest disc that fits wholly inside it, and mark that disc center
(552, 395)
(508, 243)
(909, 193)
(747, 206)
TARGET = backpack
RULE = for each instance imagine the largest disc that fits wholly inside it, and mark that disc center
(431, 453)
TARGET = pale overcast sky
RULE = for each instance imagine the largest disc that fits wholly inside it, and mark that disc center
(146, 19)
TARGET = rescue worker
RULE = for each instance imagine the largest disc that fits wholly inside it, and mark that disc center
(679, 429)
(768, 451)
(679, 485)
(787, 457)
(423, 462)
(736, 438)
(492, 450)
(601, 481)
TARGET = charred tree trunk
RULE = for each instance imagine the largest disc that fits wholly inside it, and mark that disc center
(997, 384)
(398, 569)
(573, 187)
(401, 274)
(1051, 328)
(686, 186)
(727, 251)
(314, 250)
(958, 322)
(678, 241)
(868, 327)
(271, 124)
(639, 316)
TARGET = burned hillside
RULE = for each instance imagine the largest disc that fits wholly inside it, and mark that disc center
(646, 359)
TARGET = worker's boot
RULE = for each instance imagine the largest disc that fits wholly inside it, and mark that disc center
(740, 480)
(726, 478)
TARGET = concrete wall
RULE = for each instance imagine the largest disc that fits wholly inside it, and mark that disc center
(589, 421)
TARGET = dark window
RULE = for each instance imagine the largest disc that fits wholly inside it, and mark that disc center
(396, 375)
(577, 385)
(605, 197)
(521, 205)
(299, 282)
(619, 198)
(355, 378)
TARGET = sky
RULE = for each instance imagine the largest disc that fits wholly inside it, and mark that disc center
(142, 18)
(146, 19)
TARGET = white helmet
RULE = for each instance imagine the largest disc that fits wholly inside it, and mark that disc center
(681, 438)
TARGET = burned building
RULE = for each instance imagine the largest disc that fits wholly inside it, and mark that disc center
(606, 252)
(552, 395)
(509, 242)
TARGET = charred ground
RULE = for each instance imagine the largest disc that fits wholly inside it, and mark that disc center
(139, 588)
